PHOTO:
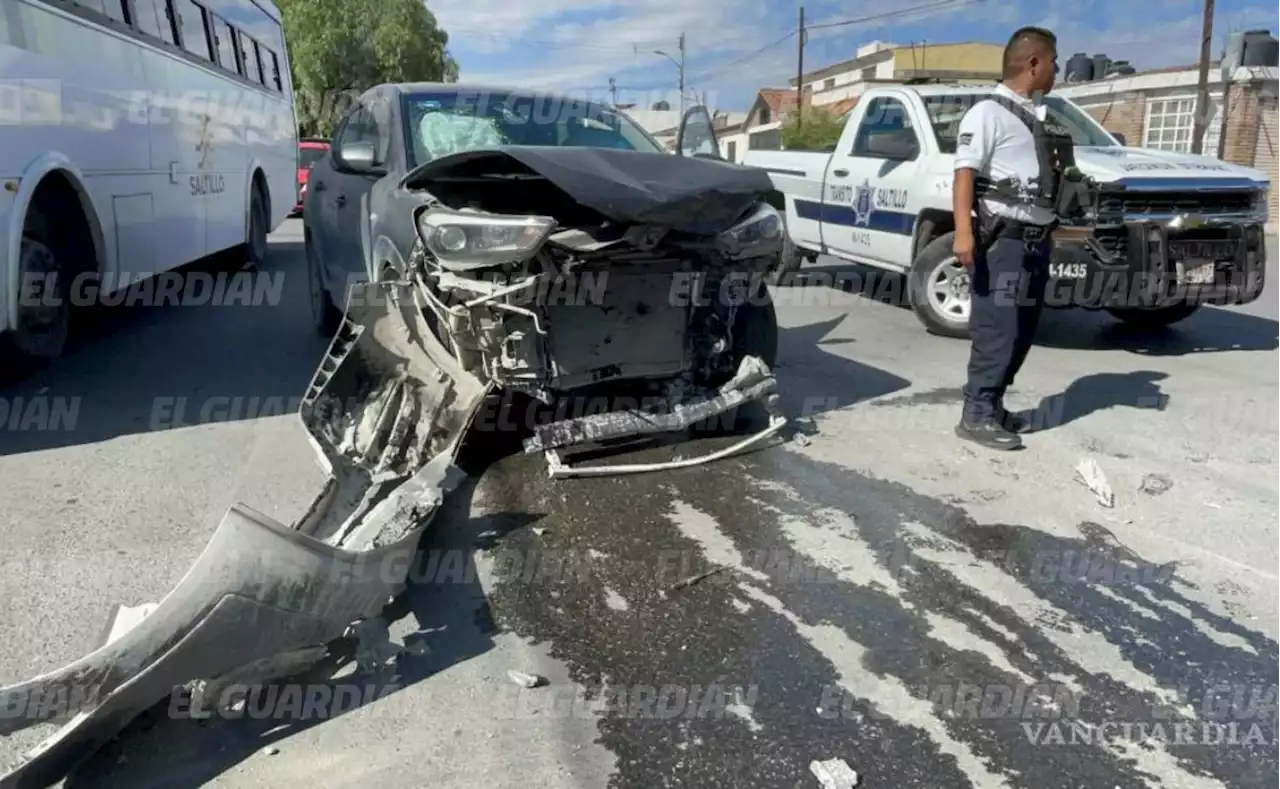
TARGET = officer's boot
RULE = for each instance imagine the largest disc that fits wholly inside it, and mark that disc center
(981, 424)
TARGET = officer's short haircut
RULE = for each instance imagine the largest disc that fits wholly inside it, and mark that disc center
(1025, 43)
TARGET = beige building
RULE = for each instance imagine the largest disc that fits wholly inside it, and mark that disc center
(967, 62)
(1156, 109)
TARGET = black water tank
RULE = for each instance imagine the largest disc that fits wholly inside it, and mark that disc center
(1120, 68)
(1100, 64)
(1260, 49)
(1079, 68)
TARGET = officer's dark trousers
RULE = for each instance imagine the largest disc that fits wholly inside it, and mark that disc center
(1007, 294)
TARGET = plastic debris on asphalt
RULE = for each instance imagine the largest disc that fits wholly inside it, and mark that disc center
(1090, 475)
(1155, 484)
(834, 774)
(526, 680)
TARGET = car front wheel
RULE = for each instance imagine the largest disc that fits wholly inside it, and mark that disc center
(938, 288)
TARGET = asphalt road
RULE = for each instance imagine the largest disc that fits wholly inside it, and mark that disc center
(867, 579)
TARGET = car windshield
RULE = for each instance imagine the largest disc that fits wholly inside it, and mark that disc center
(309, 156)
(439, 124)
(1062, 117)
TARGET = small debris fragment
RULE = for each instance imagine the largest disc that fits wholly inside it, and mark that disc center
(1090, 475)
(801, 439)
(834, 774)
(1213, 505)
(693, 579)
(539, 530)
(526, 680)
(271, 750)
(1155, 484)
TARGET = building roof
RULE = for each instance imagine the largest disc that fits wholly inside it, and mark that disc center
(877, 56)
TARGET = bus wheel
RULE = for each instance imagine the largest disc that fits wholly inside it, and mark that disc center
(259, 222)
(43, 304)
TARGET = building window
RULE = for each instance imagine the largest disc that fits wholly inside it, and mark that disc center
(828, 83)
(764, 115)
(868, 73)
(1171, 121)
(731, 151)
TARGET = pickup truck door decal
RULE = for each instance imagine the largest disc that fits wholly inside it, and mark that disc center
(866, 207)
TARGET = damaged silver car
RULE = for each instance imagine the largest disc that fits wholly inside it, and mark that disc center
(462, 245)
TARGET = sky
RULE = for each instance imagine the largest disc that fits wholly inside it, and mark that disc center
(735, 47)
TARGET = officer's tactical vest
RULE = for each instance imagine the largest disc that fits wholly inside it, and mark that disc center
(1056, 155)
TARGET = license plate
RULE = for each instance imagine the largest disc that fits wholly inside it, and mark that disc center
(1198, 273)
(1068, 270)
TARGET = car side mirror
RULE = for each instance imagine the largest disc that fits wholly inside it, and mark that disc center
(1119, 138)
(894, 147)
(357, 156)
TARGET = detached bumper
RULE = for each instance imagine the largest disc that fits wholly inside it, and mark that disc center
(386, 412)
(1151, 265)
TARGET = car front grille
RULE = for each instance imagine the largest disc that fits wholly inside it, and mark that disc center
(1139, 203)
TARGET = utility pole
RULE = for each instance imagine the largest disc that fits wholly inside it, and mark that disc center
(1200, 119)
(682, 75)
(613, 91)
(800, 71)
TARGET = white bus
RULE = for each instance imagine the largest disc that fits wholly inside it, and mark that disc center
(136, 136)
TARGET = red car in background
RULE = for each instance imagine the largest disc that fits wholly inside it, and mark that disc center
(310, 149)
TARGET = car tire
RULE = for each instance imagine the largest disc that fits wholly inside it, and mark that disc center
(258, 227)
(789, 262)
(755, 329)
(938, 289)
(325, 317)
(1155, 318)
(43, 330)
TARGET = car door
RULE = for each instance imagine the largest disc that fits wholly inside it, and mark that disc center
(697, 135)
(353, 183)
(320, 215)
(883, 168)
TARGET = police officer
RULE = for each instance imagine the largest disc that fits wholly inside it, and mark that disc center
(1000, 169)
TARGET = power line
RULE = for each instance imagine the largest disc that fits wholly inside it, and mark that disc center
(740, 61)
(936, 6)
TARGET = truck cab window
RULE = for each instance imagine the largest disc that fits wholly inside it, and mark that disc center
(885, 118)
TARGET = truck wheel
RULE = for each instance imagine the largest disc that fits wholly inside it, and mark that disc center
(789, 262)
(1156, 318)
(938, 289)
(44, 309)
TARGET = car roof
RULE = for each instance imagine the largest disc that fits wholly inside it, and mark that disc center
(399, 88)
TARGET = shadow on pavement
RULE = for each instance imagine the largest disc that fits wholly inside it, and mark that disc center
(812, 380)
(1209, 329)
(245, 349)
(1098, 392)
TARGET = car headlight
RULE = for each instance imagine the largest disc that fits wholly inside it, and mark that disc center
(760, 233)
(469, 241)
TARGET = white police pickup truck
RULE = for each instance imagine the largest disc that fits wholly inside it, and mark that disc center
(1166, 233)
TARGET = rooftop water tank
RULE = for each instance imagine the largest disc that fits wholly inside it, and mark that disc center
(1120, 68)
(1100, 64)
(1079, 68)
(1260, 49)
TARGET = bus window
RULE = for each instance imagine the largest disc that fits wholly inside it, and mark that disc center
(248, 58)
(195, 39)
(261, 68)
(152, 18)
(223, 44)
(275, 72)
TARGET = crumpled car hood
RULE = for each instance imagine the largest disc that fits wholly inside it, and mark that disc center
(685, 194)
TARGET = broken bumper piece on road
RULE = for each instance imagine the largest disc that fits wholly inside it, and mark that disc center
(264, 599)
(753, 382)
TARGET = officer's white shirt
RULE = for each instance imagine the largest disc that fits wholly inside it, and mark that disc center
(999, 145)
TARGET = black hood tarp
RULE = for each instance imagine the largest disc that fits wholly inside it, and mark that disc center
(686, 194)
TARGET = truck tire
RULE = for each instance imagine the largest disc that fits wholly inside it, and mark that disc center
(789, 263)
(1156, 318)
(938, 289)
(43, 326)
(258, 225)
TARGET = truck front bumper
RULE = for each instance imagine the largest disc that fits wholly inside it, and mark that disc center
(1156, 264)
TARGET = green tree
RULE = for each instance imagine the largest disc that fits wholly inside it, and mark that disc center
(340, 48)
(814, 130)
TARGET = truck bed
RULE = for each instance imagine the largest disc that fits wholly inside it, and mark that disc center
(795, 173)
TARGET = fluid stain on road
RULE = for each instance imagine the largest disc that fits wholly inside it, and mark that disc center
(855, 617)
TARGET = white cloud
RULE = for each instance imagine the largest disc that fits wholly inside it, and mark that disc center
(579, 44)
